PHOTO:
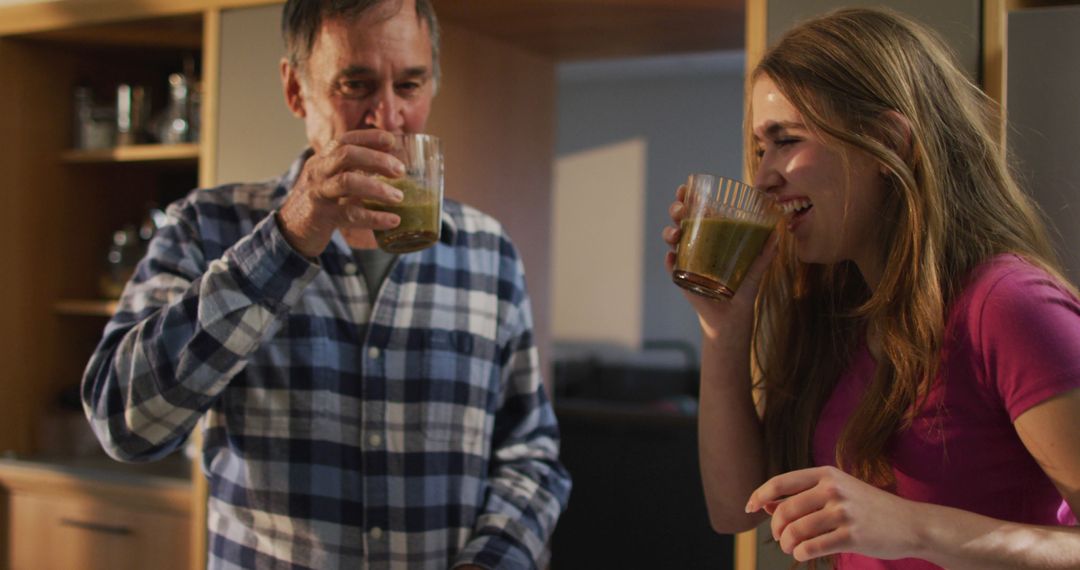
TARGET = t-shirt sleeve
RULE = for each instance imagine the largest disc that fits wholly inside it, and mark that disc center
(1029, 331)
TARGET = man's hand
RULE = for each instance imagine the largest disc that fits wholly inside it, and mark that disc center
(330, 191)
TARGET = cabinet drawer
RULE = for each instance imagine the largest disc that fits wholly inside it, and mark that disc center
(52, 532)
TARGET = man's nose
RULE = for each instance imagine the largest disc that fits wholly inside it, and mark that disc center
(385, 113)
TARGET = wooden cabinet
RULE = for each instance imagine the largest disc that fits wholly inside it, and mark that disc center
(59, 208)
(65, 518)
(61, 205)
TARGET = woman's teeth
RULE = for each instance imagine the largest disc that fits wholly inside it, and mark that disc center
(795, 206)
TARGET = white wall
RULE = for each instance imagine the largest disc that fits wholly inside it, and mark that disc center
(686, 111)
(258, 138)
(598, 208)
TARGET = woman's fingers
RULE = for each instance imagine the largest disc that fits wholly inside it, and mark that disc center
(783, 486)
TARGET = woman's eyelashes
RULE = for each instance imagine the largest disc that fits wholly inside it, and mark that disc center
(778, 143)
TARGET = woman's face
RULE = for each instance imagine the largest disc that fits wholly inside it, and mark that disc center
(833, 207)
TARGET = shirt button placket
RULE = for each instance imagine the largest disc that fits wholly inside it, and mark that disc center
(376, 464)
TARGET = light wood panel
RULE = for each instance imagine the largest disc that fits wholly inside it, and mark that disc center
(188, 152)
(85, 308)
(61, 14)
(69, 519)
(30, 230)
(208, 121)
(211, 66)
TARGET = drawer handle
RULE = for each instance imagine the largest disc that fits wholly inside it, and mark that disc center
(96, 527)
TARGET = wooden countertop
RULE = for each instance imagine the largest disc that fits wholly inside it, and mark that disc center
(164, 486)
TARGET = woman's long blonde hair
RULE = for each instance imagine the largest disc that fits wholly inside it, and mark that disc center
(951, 204)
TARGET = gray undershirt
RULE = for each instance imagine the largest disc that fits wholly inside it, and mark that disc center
(375, 266)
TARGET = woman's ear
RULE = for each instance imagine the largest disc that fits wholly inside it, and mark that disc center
(898, 134)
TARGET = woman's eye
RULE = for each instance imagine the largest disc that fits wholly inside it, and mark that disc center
(776, 144)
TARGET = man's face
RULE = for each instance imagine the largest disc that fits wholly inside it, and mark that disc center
(374, 71)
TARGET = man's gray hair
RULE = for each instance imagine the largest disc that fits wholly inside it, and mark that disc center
(301, 20)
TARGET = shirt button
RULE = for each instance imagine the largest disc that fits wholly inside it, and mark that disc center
(375, 440)
(350, 269)
(376, 533)
(373, 352)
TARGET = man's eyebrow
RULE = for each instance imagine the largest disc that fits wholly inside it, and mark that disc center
(775, 128)
(361, 71)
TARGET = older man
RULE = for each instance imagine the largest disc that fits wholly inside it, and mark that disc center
(363, 410)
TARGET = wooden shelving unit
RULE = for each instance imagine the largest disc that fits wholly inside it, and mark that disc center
(186, 152)
(62, 207)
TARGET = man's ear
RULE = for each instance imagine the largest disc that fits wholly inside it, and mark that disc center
(290, 84)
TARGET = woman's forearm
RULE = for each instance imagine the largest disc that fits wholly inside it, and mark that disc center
(731, 449)
(960, 540)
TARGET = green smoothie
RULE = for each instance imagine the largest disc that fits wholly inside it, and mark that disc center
(420, 218)
(715, 254)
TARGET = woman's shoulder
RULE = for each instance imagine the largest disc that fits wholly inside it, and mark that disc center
(1012, 280)
(1010, 300)
(1023, 324)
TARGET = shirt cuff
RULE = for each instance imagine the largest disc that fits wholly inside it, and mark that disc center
(272, 272)
(495, 552)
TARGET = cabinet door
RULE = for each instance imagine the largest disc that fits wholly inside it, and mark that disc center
(62, 533)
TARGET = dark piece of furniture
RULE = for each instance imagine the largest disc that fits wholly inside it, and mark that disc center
(637, 500)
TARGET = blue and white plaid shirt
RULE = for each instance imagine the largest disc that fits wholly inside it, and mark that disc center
(407, 429)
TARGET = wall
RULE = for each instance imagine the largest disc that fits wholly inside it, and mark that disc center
(687, 112)
(957, 21)
(1043, 87)
(258, 138)
(599, 208)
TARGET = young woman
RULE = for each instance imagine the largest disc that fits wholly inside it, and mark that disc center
(916, 347)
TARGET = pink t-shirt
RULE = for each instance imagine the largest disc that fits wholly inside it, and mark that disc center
(1012, 341)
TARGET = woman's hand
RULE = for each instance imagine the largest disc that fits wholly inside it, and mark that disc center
(821, 511)
(714, 313)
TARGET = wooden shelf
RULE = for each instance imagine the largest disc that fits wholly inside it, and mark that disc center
(85, 308)
(177, 32)
(187, 152)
